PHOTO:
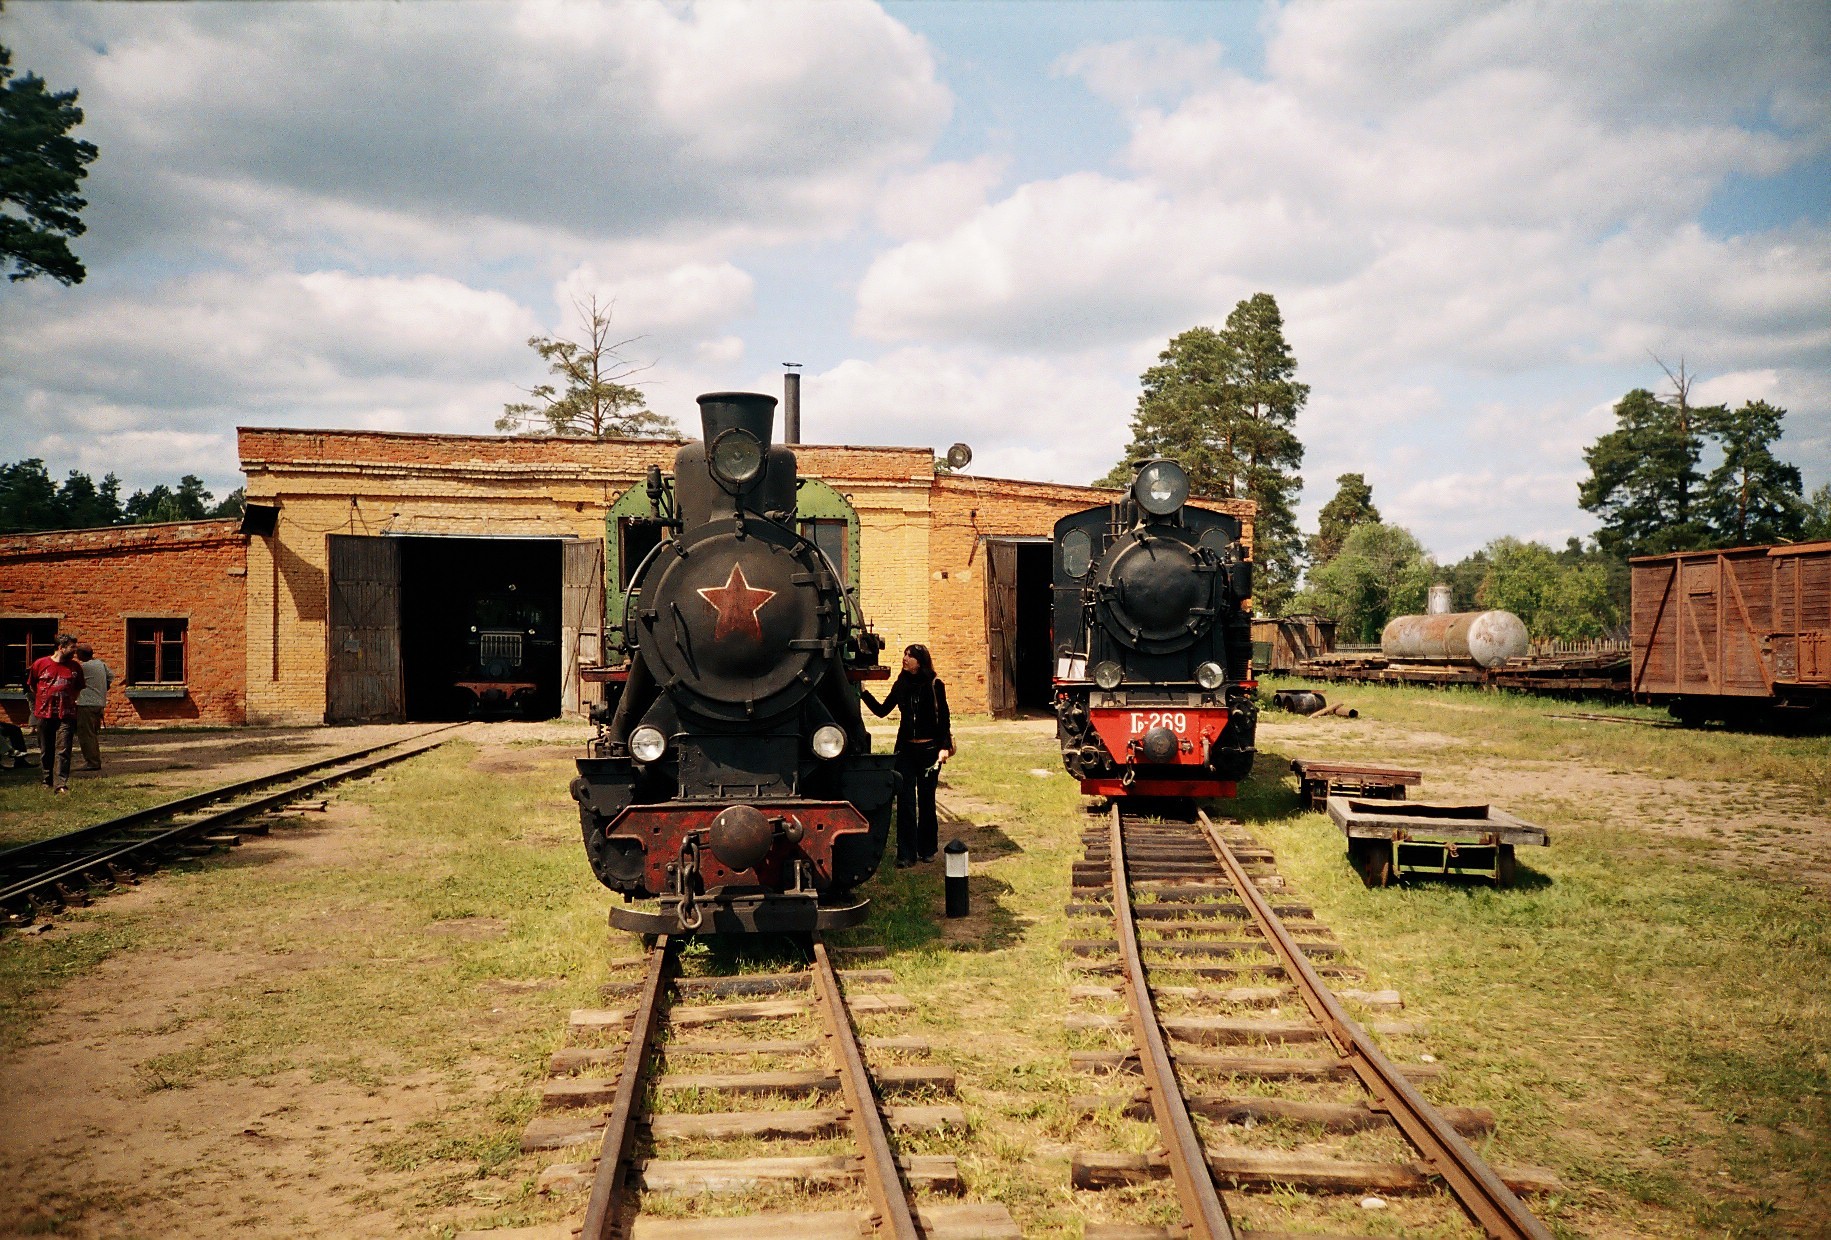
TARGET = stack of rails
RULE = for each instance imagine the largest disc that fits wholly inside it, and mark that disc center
(1221, 958)
(653, 1077)
(42, 877)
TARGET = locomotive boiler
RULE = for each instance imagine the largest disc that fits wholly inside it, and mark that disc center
(1153, 683)
(732, 782)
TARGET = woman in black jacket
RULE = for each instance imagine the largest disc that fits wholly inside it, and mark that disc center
(924, 740)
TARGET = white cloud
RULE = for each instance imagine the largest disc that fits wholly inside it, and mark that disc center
(1024, 417)
(636, 119)
(938, 197)
(1134, 73)
(685, 298)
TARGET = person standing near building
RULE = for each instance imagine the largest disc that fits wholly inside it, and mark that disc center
(53, 683)
(924, 740)
(89, 703)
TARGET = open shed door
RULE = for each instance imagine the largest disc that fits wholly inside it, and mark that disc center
(1001, 627)
(581, 641)
(363, 670)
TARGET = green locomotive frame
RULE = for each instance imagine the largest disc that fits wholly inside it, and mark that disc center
(819, 508)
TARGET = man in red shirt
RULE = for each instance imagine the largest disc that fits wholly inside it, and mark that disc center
(53, 683)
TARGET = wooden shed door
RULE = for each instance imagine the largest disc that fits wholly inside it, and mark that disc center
(582, 623)
(1001, 627)
(363, 682)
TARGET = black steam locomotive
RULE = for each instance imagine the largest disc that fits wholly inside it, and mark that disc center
(733, 781)
(1153, 644)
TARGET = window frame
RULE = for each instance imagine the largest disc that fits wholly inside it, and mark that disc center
(15, 689)
(159, 644)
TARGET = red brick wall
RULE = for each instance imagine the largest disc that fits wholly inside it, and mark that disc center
(94, 580)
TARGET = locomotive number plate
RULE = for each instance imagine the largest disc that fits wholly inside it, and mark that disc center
(1175, 720)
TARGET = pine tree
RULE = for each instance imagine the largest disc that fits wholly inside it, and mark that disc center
(591, 400)
(1223, 404)
(1752, 497)
(1352, 506)
(1641, 477)
(40, 168)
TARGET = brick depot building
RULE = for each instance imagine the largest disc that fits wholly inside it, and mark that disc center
(320, 605)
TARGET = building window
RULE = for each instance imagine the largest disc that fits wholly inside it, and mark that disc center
(22, 643)
(155, 652)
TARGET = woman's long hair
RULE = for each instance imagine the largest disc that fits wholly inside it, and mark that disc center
(925, 665)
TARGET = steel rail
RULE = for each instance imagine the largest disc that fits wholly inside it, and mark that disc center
(1203, 1209)
(55, 872)
(893, 1216)
(193, 800)
(1488, 1201)
(603, 1213)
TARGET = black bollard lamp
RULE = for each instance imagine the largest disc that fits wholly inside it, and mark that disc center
(956, 858)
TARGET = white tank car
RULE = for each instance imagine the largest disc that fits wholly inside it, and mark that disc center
(1482, 637)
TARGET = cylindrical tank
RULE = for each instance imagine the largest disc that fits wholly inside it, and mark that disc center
(1439, 604)
(1484, 637)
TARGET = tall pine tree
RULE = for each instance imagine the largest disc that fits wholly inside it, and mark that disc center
(1752, 497)
(1641, 478)
(1224, 404)
(1352, 506)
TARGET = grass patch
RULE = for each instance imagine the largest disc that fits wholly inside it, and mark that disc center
(1651, 1028)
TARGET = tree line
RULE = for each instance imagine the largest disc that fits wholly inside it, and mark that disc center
(30, 499)
(1224, 402)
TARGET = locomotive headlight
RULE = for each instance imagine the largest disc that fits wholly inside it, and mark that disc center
(1210, 675)
(737, 457)
(1161, 487)
(829, 741)
(647, 744)
(1108, 674)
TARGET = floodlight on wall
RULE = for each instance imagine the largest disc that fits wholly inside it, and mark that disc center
(959, 456)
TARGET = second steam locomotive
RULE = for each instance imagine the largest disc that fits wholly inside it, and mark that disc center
(1153, 644)
(733, 782)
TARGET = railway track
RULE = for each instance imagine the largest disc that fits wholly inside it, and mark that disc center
(1254, 1073)
(44, 876)
(751, 1093)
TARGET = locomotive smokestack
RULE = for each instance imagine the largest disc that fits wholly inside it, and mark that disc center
(753, 411)
(791, 404)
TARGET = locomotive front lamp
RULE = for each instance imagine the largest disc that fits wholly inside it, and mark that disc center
(1108, 674)
(1210, 675)
(737, 457)
(829, 741)
(647, 743)
(1161, 488)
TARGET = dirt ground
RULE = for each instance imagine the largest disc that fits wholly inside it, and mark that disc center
(93, 1142)
(1770, 830)
(219, 756)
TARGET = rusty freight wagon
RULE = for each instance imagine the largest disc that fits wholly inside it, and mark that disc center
(1734, 634)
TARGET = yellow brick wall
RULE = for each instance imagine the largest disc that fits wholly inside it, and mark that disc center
(329, 482)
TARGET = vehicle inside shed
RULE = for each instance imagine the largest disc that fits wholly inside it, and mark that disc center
(480, 627)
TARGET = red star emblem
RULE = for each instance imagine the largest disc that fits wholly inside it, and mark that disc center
(737, 606)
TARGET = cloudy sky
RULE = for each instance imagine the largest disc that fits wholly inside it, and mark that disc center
(968, 222)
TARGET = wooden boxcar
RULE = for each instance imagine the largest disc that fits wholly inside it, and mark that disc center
(1725, 634)
(1280, 645)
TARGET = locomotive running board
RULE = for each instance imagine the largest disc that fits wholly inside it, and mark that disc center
(749, 914)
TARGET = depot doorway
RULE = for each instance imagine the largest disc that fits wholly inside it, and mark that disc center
(1018, 601)
(430, 628)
